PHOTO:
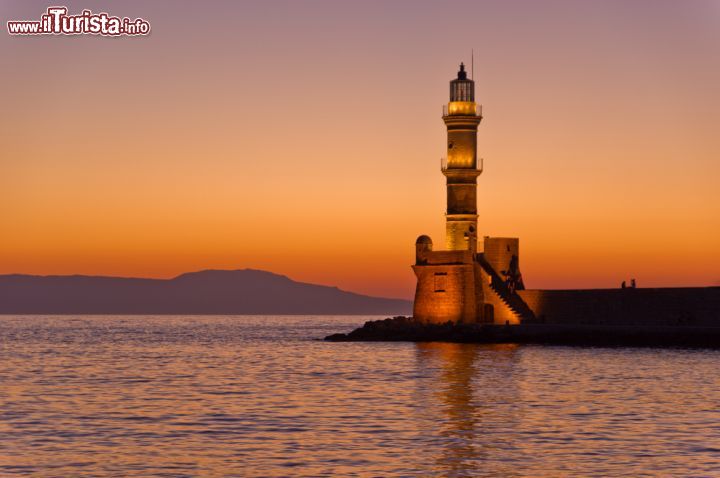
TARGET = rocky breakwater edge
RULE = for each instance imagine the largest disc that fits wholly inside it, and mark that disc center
(407, 329)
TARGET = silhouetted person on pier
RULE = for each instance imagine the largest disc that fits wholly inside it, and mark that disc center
(623, 285)
(632, 283)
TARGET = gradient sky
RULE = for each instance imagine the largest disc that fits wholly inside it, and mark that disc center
(304, 137)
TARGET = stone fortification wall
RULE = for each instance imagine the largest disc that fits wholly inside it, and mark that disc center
(445, 293)
(689, 306)
(499, 250)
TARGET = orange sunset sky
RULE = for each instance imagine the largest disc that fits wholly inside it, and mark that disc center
(304, 138)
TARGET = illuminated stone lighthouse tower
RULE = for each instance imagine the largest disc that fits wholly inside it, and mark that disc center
(461, 284)
(462, 117)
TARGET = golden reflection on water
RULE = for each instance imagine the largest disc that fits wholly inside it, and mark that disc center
(465, 401)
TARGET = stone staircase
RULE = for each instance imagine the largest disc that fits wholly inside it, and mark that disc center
(513, 301)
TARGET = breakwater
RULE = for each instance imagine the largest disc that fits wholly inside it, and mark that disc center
(406, 329)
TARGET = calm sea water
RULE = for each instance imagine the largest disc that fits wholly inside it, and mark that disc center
(259, 396)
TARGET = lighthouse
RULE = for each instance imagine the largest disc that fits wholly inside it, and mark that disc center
(460, 283)
(462, 117)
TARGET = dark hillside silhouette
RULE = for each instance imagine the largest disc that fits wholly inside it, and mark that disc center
(245, 291)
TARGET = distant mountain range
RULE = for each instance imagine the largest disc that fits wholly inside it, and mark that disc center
(246, 291)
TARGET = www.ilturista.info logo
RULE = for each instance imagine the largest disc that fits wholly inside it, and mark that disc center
(58, 22)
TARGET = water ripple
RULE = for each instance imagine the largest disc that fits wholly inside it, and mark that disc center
(259, 396)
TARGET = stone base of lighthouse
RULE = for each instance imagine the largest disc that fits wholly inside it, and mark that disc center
(468, 287)
(447, 288)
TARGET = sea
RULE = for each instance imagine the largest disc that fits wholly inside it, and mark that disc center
(264, 396)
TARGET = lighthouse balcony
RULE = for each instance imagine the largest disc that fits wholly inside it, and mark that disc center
(464, 168)
(462, 108)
